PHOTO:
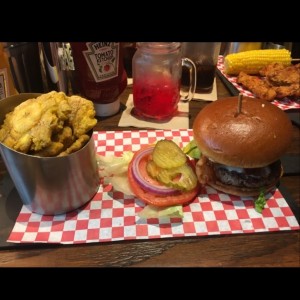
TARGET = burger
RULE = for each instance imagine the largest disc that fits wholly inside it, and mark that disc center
(241, 148)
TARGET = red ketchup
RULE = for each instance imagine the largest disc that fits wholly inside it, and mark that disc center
(100, 73)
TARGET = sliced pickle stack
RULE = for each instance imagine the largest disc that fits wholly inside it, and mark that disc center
(169, 165)
(167, 154)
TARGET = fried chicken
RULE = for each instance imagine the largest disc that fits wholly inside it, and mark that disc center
(270, 69)
(283, 77)
(279, 82)
(297, 66)
(287, 91)
(258, 86)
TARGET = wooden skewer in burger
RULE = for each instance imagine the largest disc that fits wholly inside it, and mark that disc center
(241, 140)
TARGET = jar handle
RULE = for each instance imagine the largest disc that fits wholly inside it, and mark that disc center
(186, 62)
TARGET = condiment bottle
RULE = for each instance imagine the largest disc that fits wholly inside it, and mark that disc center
(101, 75)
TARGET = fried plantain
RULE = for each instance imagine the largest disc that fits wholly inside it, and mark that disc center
(49, 124)
(82, 117)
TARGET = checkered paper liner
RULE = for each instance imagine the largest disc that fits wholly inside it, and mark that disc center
(112, 216)
(284, 104)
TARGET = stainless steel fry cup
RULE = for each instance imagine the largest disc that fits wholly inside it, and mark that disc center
(50, 185)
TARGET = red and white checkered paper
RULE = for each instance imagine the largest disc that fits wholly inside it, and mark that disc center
(112, 216)
(284, 104)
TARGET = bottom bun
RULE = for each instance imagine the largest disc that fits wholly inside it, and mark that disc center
(238, 191)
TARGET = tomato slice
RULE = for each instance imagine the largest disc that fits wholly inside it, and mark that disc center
(152, 198)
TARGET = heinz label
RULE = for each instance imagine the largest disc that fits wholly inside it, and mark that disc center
(102, 59)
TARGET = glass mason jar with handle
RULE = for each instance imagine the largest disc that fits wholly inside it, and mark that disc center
(156, 70)
(205, 56)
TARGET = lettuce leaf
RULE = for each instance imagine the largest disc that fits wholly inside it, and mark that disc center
(120, 183)
(113, 165)
(114, 171)
(192, 150)
(151, 211)
(260, 202)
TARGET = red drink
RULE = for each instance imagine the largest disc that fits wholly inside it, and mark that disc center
(156, 97)
(156, 70)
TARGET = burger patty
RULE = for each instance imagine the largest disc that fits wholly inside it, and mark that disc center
(249, 177)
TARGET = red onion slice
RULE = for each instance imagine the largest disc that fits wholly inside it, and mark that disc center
(160, 190)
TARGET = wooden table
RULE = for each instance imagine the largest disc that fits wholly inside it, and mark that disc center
(259, 249)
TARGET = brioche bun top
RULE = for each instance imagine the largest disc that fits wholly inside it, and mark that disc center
(254, 138)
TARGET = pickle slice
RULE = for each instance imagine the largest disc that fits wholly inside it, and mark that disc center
(152, 169)
(167, 155)
(182, 177)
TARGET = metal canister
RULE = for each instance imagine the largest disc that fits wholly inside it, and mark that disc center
(50, 185)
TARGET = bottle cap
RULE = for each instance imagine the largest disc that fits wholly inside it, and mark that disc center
(107, 109)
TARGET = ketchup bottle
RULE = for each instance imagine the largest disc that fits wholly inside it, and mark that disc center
(100, 73)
